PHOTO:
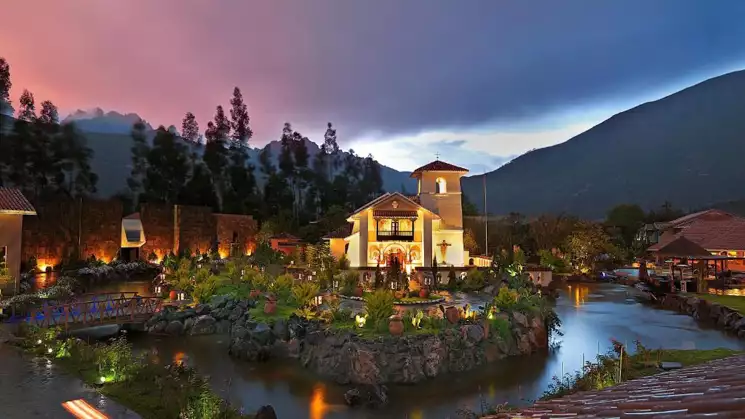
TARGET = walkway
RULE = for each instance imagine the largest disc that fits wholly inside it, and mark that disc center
(714, 389)
(34, 388)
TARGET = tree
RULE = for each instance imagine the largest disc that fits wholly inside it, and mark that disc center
(469, 241)
(199, 189)
(167, 168)
(551, 231)
(331, 148)
(469, 209)
(140, 150)
(72, 156)
(215, 151)
(5, 84)
(585, 244)
(190, 128)
(27, 109)
(624, 221)
(240, 122)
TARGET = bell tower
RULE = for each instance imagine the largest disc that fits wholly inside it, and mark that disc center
(438, 186)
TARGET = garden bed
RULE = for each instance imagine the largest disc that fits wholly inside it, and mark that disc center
(406, 301)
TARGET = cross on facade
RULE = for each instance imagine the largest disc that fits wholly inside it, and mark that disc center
(443, 248)
(437, 156)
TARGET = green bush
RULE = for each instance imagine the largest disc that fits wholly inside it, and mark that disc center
(506, 299)
(304, 292)
(475, 280)
(379, 306)
(348, 281)
(115, 360)
(282, 287)
(206, 288)
(502, 328)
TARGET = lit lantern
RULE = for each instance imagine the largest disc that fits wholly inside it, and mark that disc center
(393, 285)
(158, 290)
(318, 300)
(360, 320)
(335, 284)
(181, 296)
(199, 266)
(49, 350)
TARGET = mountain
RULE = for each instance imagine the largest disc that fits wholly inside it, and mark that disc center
(98, 121)
(107, 134)
(685, 148)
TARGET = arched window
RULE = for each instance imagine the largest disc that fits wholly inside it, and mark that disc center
(441, 185)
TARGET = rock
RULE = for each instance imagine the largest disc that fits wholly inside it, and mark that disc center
(473, 333)
(160, 327)
(262, 334)
(374, 396)
(489, 289)
(520, 319)
(266, 412)
(181, 315)
(202, 309)
(236, 313)
(280, 329)
(353, 397)
(293, 349)
(670, 365)
(175, 328)
(204, 325)
(223, 327)
(218, 301)
(188, 323)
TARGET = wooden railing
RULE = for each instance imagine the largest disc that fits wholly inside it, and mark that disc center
(96, 312)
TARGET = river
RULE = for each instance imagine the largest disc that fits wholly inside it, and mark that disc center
(591, 314)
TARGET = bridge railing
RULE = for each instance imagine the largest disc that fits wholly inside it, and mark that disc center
(17, 311)
(90, 313)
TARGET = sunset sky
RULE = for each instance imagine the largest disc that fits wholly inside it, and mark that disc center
(477, 81)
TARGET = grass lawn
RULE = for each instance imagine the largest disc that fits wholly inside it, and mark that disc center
(732, 301)
(417, 299)
(641, 367)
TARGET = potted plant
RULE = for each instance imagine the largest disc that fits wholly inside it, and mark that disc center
(452, 314)
(173, 295)
(254, 294)
(395, 325)
(424, 293)
(271, 305)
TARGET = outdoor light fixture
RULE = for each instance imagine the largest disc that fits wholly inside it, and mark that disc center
(181, 296)
(335, 284)
(103, 379)
(393, 285)
(49, 350)
(199, 266)
(360, 320)
(158, 290)
(318, 300)
(38, 342)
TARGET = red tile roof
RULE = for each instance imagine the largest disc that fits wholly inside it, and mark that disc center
(713, 389)
(438, 166)
(682, 247)
(340, 233)
(12, 201)
(724, 234)
(707, 215)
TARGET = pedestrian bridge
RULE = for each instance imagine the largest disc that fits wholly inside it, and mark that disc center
(92, 310)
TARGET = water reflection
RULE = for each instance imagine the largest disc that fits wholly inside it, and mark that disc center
(591, 315)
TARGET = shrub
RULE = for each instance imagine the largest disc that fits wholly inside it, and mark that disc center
(474, 281)
(502, 328)
(348, 281)
(304, 292)
(282, 287)
(506, 299)
(379, 306)
(115, 361)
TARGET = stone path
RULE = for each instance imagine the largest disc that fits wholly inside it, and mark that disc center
(34, 388)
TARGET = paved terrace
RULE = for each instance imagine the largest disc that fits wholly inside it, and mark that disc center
(712, 390)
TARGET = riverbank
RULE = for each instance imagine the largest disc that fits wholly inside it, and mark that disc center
(705, 308)
(35, 388)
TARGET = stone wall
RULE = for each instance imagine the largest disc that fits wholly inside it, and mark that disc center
(242, 228)
(157, 223)
(53, 234)
(195, 229)
(101, 229)
(700, 309)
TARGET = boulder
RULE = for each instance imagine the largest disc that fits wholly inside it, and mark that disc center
(160, 327)
(202, 309)
(473, 333)
(236, 313)
(175, 328)
(223, 327)
(266, 412)
(520, 319)
(204, 325)
(188, 323)
(280, 329)
(262, 334)
(218, 301)
(374, 396)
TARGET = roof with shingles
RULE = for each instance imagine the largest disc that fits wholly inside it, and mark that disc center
(438, 166)
(340, 233)
(719, 234)
(12, 201)
(715, 389)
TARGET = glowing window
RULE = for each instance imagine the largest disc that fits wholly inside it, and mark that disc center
(440, 185)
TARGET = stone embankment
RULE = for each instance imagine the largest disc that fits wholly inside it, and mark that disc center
(724, 317)
(205, 319)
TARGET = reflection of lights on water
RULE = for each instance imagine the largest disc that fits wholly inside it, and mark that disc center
(179, 358)
(318, 406)
(82, 410)
(492, 390)
(580, 293)
(416, 414)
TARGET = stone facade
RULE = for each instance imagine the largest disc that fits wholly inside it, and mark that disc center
(53, 235)
(195, 229)
(238, 229)
(157, 223)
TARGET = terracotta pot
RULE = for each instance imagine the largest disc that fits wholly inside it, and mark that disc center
(358, 292)
(396, 326)
(173, 295)
(270, 307)
(399, 295)
(255, 294)
(452, 314)
(423, 293)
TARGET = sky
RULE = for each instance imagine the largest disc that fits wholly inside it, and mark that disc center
(476, 82)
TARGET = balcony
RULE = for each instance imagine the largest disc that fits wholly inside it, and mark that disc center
(395, 235)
